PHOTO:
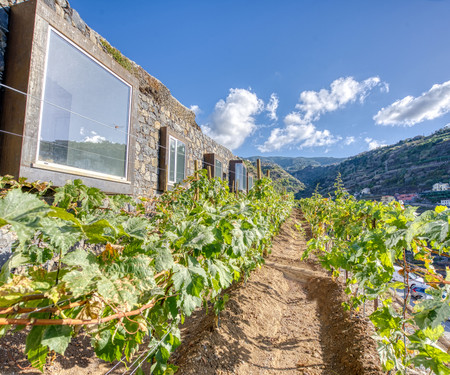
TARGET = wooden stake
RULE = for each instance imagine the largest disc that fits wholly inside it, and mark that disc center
(268, 173)
(258, 169)
(196, 168)
(208, 168)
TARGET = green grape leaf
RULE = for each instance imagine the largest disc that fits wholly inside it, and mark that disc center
(191, 278)
(57, 338)
(23, 211)
(189, 303)
(95, 231)
(60, 235)
(432, 312)
(136, 227)
(36, 352)
(163, 259)
(220, 272)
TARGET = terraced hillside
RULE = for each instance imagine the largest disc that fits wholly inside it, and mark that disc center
(281, 179)
(411, 165)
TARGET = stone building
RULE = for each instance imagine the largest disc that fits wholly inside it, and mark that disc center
(73, 106)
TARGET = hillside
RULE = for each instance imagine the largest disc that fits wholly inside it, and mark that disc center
(411, 165)
(295, 164)
(281, 179)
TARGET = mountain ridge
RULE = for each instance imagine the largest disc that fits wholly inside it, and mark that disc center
(409, 166)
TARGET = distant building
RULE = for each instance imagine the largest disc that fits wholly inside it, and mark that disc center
(365, 191)
(386, 199)
(445, 202)
(406, 197)
(440, 186)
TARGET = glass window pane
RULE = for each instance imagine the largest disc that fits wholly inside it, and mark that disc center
(218, 168)
(172, 159)
(241, 176)
(85, 114)
(250, 182)
(181, 157)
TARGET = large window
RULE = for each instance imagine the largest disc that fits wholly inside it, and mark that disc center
(241, 177)
(85, 113)
(177, 160)
(218, 169)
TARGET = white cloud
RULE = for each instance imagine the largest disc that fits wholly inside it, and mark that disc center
(373, 144)
(349, 140)
(384, 87)
(233, 119)
(196, 109)
(297, 131)
(95, 138)
(301, 131)
(410, 110)
(342, 91)
(272, 106)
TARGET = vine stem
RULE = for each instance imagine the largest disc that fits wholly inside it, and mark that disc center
(27, 310)
(77, 322)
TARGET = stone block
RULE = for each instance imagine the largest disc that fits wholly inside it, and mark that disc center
(78, 22)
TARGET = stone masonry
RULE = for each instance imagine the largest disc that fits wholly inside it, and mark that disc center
(156, 107)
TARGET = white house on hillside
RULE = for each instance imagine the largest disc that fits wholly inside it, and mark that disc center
(440, 186)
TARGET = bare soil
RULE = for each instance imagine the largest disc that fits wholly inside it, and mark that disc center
(286, 319)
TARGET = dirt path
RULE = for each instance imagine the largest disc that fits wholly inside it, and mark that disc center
(287, 319)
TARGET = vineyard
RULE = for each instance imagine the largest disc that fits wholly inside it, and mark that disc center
(127, 272)
(364, 240)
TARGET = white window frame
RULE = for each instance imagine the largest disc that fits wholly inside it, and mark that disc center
(169, 179)
(68, 169)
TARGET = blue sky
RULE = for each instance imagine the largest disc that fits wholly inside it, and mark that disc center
(292, 77)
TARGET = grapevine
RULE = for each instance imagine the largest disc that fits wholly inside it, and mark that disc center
(366, 239)
(126, 272)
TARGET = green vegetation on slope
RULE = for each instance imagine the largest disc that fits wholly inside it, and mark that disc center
(411, 165)
(281, 179)
(295, 164)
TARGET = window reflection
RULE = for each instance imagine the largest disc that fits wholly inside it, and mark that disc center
(85, 113)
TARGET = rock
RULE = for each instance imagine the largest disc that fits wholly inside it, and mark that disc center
(62, 3)
(77, 21)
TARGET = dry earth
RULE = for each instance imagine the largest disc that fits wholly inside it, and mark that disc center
(286, 319)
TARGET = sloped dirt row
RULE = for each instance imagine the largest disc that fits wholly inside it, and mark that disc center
(287, 319)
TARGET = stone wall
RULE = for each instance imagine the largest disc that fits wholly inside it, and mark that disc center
(156, 106)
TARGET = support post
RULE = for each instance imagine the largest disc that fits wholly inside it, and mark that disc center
(196, 169)
(258, 169)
